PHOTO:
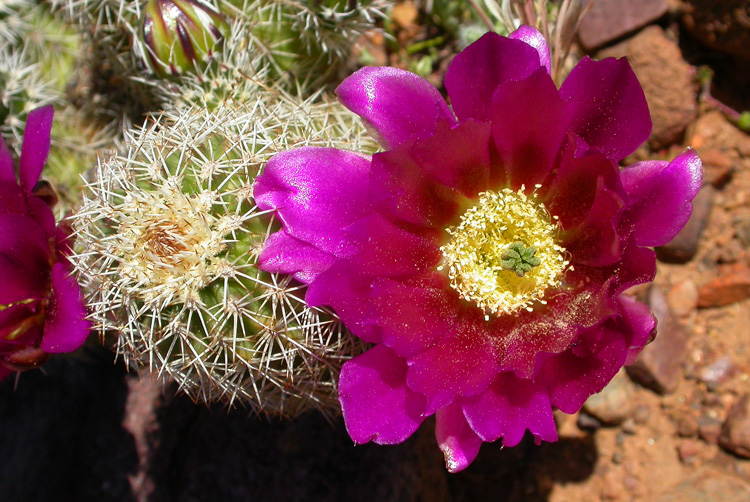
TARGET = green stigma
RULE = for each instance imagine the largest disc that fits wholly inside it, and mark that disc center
(519, 258)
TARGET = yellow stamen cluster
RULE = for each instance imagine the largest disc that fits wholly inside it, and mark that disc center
(480, 244)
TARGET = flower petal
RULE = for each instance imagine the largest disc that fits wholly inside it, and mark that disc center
(610, 109)
(422, 182)
(534, 38)
(457, 156)
(527, 336)
(638, 323)
(35, 147)
(348, 293)
(12, 199)
(395, 104)
(403, 191)
(638, 266)
(478, 70)
(316, 192)
(572, 378)
(7, 171)
(660, 196)
(376, 403)
(529, 125)
(571, 190)
(596, 241)
(24, 259)
(459, 444)
(283, 254)
(462, 364)
(509, 407)
(412, 319)
(42, 213)
(66, 326)
(389, 251)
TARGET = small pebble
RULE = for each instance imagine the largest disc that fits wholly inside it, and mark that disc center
(709, 429)
(620, 439)
(687, 426)
(688, 450)
(641, 414)
(588, 423)
(628, 426)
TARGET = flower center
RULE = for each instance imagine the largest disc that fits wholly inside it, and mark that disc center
(504, 254)
(168, 244)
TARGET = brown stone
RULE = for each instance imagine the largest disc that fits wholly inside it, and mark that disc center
(667, 82)
(688, 450)
(717, 166)
(608, 20)
(709, 429)
(709, 485)
(735, 433)
(659, 366)
(687, 426)
(685, 244)
(731, 287)
(718, 371)
(614, 403)
(683, 298)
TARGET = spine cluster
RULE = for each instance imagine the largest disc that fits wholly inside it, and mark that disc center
(167, 241)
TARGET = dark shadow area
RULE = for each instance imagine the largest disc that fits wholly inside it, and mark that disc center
(525, 473)
(731, 79)
(211, 454)
(62, 439)
(61, 433)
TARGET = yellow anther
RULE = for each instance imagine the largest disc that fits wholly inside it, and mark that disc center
(500, 226)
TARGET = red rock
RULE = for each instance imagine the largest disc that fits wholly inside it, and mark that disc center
(667, 81)
(659, 367)
(729, 288)
(608, 20)
(735, 433)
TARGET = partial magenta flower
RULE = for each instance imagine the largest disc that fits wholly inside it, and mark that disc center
(485, 253)
(41, 311)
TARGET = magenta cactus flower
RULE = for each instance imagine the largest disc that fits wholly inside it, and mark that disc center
(41, 311)
(485, 253)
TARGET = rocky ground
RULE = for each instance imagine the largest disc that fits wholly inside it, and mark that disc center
(675, 427)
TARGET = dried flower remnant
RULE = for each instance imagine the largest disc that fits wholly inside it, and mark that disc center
(41, 311)
(485, 253)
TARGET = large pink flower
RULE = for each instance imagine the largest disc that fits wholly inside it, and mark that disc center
(485, 253)
(41, 310)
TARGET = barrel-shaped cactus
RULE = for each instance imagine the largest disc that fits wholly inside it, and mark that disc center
(167, 243)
